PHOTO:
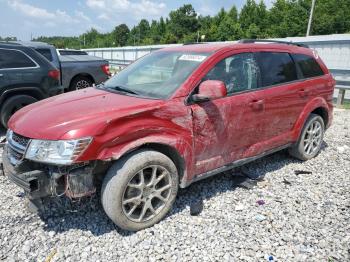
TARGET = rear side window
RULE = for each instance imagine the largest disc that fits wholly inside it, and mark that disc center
(45, 52)
(276, 68)
(308, 65)
(14, 59)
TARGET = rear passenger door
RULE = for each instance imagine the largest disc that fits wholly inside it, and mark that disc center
(282, 95)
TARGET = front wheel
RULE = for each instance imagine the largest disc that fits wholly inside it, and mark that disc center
(310, 140)
(139, 190)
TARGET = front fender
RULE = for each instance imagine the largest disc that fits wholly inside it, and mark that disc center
(183, 147)
(317, 102)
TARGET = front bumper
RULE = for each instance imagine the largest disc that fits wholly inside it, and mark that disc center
(35, 183)
(40, 180)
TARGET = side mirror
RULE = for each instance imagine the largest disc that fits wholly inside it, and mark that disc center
(210, 90)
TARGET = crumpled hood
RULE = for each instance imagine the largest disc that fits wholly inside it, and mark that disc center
(84, 113)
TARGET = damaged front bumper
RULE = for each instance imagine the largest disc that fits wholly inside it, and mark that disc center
(39, 180)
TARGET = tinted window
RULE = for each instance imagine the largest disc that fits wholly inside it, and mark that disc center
(308, 65)
(46, 53)
(238, 72)
(14, 59)
(276, 68)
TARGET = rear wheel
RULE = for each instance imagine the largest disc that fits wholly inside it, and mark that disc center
(139, 190)
(12, 105)
(80, 82)
(310, 140)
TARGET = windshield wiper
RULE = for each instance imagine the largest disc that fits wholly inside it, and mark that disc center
(122, 89)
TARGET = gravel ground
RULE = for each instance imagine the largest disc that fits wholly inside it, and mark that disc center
(302, 217)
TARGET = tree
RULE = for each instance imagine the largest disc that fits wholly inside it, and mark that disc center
(183, 21)
(121, 34)
(284, 18)
(330, 17)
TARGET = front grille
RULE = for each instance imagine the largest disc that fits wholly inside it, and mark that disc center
(23, 141)
(17, 146)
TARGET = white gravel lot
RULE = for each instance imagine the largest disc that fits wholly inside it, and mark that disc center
(305, 217)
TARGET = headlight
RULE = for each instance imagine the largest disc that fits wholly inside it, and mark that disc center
(62, 152)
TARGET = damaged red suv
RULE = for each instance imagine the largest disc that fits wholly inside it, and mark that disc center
(174, 117)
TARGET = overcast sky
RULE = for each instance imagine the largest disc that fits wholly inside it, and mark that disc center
(21, 18)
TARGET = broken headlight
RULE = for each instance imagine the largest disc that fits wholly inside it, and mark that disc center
(61, 152)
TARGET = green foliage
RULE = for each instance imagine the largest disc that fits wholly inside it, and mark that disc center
(284, 18)
(121, 34)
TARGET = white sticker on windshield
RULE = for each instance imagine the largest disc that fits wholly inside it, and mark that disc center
(196, 58)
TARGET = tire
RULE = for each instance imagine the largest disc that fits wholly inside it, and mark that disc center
(13, 104)
(123, 191)
(300, 150)
(80, 82)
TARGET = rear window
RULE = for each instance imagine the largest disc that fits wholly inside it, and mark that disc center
(72, 52)
(46, 53)
(276, 68)
(14, 59)
(308, 65)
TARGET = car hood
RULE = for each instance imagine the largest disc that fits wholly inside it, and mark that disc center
(75, 114)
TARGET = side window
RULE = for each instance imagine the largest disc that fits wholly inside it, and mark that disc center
(46, 53)
(276, 68)
(239, 73)
(14, 59)
(308, 65)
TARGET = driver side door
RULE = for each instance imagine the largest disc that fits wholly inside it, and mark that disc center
(224, 129)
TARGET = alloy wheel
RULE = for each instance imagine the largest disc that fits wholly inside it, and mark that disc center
(312, 138)
(147, 193)
(82, 84)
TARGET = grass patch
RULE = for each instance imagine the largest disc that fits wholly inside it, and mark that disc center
(346, 105)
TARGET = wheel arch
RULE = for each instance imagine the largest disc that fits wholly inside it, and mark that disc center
(317, 106)
(177, 150)
(30, 91)
(80, 75)
(322, 112)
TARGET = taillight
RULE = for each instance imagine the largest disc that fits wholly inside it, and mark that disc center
(55, 74)
(105, 69)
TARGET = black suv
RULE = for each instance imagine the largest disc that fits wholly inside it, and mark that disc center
(25, 77)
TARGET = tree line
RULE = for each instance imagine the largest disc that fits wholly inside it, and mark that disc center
(285, 18)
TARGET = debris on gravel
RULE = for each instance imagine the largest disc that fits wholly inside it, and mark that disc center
(304, 218)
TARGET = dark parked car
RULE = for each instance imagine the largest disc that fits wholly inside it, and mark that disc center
(25, 77)
(173, 117)
(77, 71)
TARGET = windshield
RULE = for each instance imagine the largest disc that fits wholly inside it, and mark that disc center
(156, 75)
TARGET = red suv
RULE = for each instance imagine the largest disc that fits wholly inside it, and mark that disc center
(174, 117)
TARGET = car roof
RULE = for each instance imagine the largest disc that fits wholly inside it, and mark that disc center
(12, 46)
(215, 47)
(32, 44)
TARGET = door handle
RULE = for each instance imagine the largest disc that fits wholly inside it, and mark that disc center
(257, 104)
(1, 75)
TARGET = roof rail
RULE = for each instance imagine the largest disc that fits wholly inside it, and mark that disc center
(193, 43)
(246, 41)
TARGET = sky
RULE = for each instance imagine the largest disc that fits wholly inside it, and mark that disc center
(32, 18)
